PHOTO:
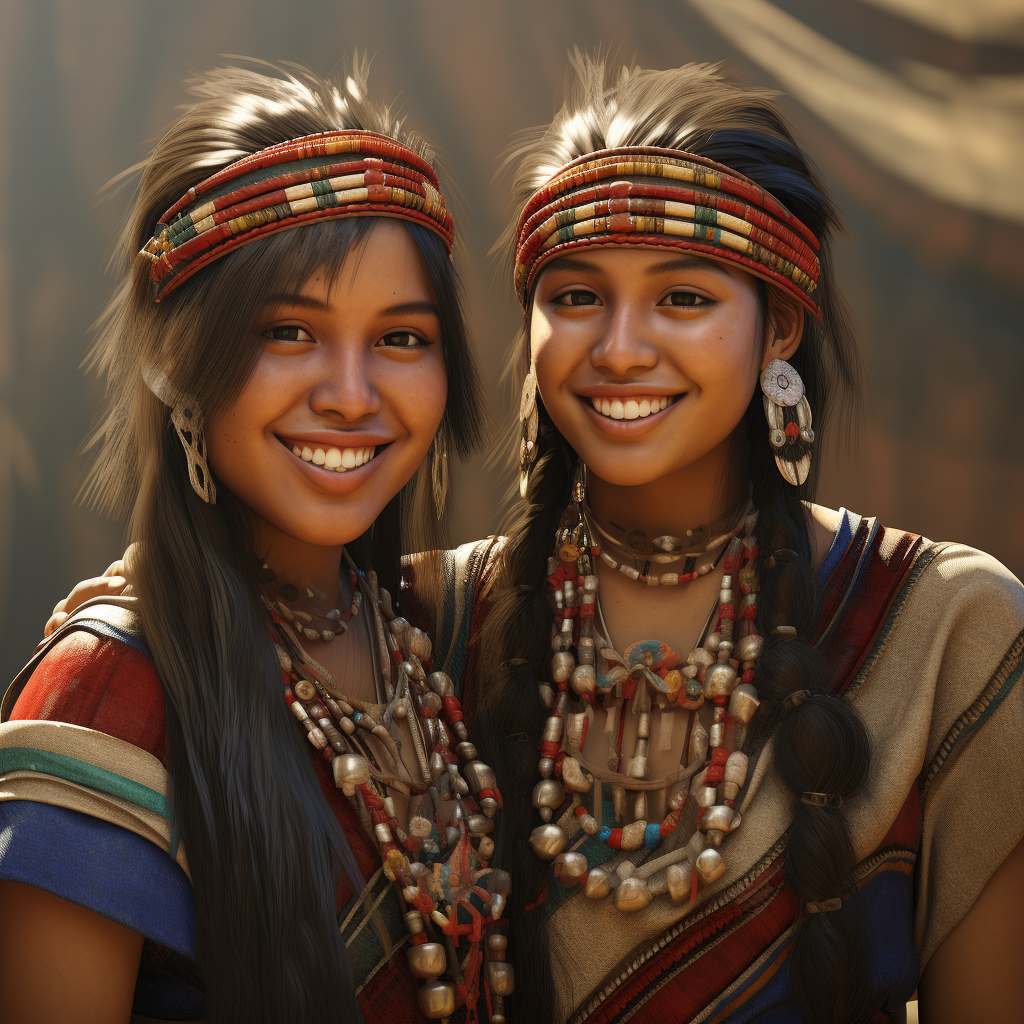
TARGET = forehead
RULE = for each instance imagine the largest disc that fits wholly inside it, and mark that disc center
(635, 260)
(383, 265)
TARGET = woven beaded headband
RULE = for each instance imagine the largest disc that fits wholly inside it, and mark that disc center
(318, 177)
(665, 197)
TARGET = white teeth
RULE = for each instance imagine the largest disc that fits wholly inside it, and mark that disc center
(630, 408)
(337, 459)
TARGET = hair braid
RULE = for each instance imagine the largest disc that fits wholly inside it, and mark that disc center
(821, 746)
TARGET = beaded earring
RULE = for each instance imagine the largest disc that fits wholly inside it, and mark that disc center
(188, 425)
(789, 420)
(529, 421)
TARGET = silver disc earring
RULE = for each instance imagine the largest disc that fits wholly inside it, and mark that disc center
(789, 420)
(529, 422)
(188, 425)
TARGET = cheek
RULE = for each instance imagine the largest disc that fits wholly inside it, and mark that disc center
(418, 398)
(554, 355)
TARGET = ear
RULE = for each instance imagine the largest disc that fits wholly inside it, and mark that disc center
(784, 326)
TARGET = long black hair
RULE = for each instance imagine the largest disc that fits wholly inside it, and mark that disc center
(264, 848)
(821, 745)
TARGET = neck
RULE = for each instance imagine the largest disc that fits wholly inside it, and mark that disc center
(686, 499)
(298, 562)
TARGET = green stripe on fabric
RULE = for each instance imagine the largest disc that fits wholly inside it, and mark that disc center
(20, 759)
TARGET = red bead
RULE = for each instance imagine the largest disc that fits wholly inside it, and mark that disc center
(558, 763)
(587, 611)
(328, 754)
(580, 811)
(719, 755)
(726, 611)
(452, 708)
(289, 696)
(748, 676)
(615, 839)
(714, 775)
(549, 749)
(792, 429)
(668, 825)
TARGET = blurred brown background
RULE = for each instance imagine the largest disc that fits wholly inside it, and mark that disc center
(913, 109)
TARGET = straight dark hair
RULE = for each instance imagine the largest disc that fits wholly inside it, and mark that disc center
(263, 847)
(821, 745)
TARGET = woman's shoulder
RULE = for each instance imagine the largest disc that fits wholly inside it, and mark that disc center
(96, 682)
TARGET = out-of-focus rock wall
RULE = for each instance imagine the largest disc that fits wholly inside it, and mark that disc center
(912, 109)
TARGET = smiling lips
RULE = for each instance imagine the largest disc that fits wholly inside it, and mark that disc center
(338, 460)
(631, 408)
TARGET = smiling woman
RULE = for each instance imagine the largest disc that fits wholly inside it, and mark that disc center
(185, 770)
(763, 728)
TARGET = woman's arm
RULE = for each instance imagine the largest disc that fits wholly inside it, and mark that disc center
(61, 962)
(975, 975)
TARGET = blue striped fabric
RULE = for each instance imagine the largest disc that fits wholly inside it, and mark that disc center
(113, 872)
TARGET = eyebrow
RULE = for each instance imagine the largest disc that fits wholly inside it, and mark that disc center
(684, 263)
(575, 263)
(308, 301)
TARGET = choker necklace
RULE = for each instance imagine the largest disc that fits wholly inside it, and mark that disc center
(586, 669)
(691, 568)
(309, 610)
(451, 896)
(667, 548)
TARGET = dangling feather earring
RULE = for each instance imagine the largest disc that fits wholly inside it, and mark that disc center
(439, 472)
(529, 421)
(188, 425)
(789, 420)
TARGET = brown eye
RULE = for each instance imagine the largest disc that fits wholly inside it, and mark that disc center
(402, 339)
(288, 332)
(578, 297)
(686, 299)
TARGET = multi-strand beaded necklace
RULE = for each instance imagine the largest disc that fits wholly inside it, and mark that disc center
(586, 669)
(451, 896)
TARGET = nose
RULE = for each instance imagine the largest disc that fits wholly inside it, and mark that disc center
(343, 387)
(622, 348)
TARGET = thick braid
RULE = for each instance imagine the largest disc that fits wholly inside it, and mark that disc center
(821, 746)
(511, 715)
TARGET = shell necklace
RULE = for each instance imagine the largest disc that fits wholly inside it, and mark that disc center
(585, 669)
(451, 896)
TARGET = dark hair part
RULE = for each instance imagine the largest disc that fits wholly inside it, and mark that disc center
(263, 847)
(821, 745)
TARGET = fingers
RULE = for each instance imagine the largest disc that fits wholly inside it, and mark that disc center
(56, 619)
(87, 590)
(115, 568)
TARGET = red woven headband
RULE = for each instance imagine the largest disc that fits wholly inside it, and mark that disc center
(294, 183)
(649, 196)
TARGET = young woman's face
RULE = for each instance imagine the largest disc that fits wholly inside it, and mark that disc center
(646, 359)
(345, 399)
